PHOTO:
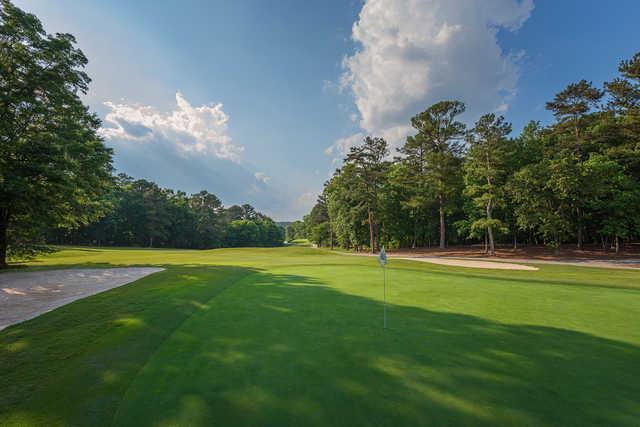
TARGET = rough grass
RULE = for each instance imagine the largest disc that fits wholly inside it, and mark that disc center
(292, 336)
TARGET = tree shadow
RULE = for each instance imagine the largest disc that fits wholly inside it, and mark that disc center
(298, 352)
(238, 346)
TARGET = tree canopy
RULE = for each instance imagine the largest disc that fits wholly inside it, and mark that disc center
(576, 180)
(53, 166)
(143, 214)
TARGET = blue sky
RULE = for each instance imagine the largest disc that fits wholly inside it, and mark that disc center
(257, 101)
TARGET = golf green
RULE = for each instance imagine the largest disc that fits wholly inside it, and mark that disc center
(293, 336)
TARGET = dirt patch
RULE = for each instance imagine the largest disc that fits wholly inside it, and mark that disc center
(25, 295)
(473, 263)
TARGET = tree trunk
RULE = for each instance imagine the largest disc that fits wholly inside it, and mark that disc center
(443, 231)
(580, 238)
(617, 245)
(515, 239)
(415, 232)
(492, 246)
(372, 241)
(4, 241)
(330, 235)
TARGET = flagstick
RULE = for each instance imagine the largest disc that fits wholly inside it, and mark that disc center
(382, 258)
(384, 269)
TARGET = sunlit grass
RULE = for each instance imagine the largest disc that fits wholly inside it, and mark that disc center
(293, 336)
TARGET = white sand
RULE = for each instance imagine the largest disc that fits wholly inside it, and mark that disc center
(473, 263)
(25, 295)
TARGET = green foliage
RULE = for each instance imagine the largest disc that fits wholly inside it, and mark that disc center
(575, 180)
(486, 171)
(54, 169)
(143, 214)
(295, 231)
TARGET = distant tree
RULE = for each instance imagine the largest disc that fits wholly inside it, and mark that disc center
(233, 213)
(295, 231)
(438, 142)
(183, 222)
(155, 202)
(53, 166)
(369, 166)
(207, 209)
(405, 205)
(570, 143)
(526, 149)
(612, 198)
(623, 133)
(572, 105)
(413, 177)
(574, 180)
(317, 222)
(486, 170)
(346, 208)
(625, 90)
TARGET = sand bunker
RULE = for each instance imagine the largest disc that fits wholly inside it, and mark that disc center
(25, 295)
(474, 263)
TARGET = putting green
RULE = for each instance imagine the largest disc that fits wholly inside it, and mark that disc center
(293, 336)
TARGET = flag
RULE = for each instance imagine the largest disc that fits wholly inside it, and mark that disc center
(382, 258)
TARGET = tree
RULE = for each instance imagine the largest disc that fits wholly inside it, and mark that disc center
(405, 206)
(207, 209)
(317, 222)
(571, 106)
(438, 143)
(625, 90)
(623, 134)
(369, 165)
(295, 231)
(347, 212)
(486, 170)
(53, 166)
(526, 149)
(613, 198)
(575, 180)
(413, 178)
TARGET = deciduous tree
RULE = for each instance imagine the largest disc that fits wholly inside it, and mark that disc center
(53, 166)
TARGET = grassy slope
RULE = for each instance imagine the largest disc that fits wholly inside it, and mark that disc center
(292, 336)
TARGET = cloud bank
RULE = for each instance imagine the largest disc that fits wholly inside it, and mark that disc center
(413, 53)
(200, 130)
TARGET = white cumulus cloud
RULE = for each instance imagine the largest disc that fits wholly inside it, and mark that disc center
(196, 130)
(262, 177)
(339, 149)
(413, 53)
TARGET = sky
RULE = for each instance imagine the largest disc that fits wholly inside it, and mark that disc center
(258, 101)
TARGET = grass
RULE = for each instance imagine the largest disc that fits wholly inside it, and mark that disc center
(292, 336)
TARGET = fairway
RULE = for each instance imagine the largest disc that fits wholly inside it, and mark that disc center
(293, 336)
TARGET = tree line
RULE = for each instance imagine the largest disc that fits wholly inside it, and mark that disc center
(573, 181)
(140, 213)
(56, 174)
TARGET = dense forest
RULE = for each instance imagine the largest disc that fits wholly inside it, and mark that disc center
(573, 181)
(140, 213)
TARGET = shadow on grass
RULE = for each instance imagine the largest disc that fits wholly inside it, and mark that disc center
(237, 346)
